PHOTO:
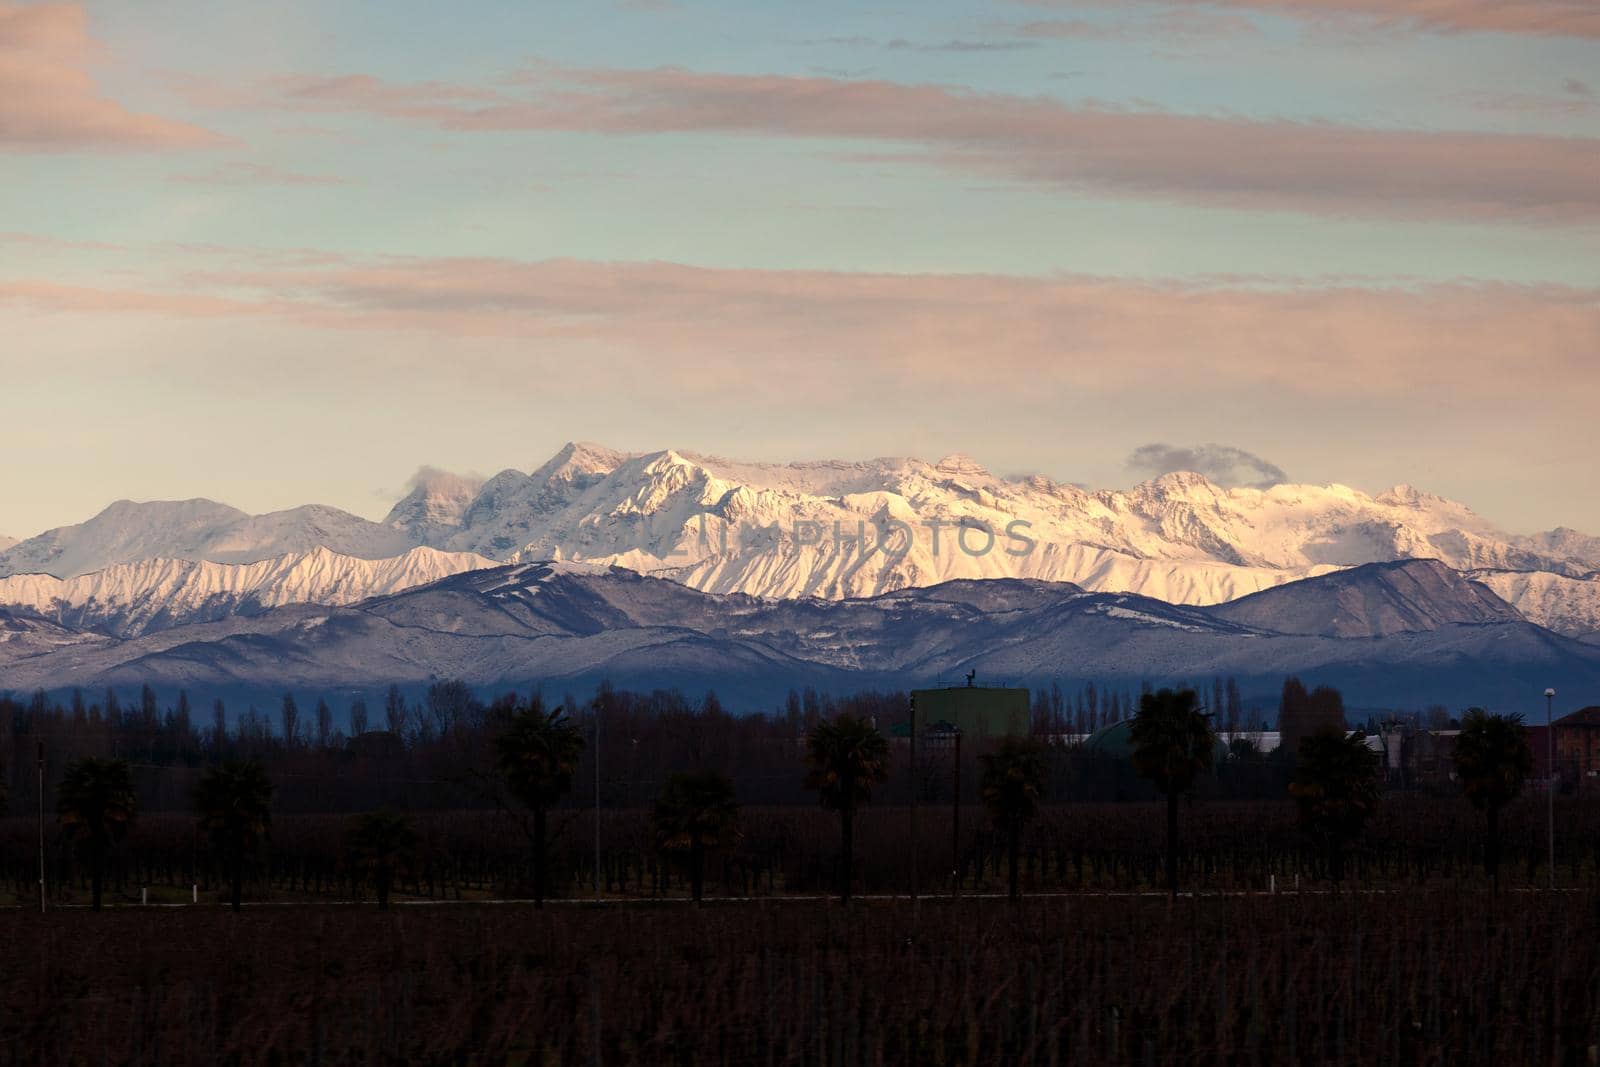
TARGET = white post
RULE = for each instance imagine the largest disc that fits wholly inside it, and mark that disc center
(194, 893)
(144, 895)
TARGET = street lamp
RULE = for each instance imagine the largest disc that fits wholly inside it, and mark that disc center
(1550, 784)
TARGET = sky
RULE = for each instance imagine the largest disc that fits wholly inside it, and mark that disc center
(276, 255)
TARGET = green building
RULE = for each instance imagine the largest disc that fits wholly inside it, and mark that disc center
(979, 711)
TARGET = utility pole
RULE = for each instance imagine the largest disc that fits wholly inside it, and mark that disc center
(41, 827)
(955, 826)
(915, 784)
(597, 803)
(1550, 784)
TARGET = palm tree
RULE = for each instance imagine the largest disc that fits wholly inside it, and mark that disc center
(234, 801)
(696, 811)
(537, 754)
(1492, 758)
(846, 757)
(1172, 743)
(381, 841)
(1336, 787)
(95, 805)
(1013, 778)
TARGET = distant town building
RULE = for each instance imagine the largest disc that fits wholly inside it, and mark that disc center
(1576, 747)
(1415, 758)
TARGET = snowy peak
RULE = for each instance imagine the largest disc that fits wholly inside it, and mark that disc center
(435, 505)
(578, 458)
(1376, 600)
(963, 465)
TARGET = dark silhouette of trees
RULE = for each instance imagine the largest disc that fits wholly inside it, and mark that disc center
(234, 802)
(1302, 714)
(846, 757)
(1172, 743)
(696, 811)
(394, 711)
(358, 717)
(381, 843)
(1335, 787)
(324, 715)
(95, 805)
(289, 716)
(1492, 759)
(537, 754)
(1013, 778)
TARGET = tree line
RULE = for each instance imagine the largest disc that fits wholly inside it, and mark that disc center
(523, 759)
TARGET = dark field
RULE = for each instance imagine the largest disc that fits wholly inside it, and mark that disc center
(1408, 978)
(1413, 842)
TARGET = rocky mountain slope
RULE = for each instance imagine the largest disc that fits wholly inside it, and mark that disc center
(130, 599)
(1377, 600)
(1567, 605)
(129, 532)
(568, 626)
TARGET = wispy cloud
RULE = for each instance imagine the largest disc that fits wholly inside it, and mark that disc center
(826, 330)
(1317, 167)
(901, 45)
(1542, 18)
(240, 172)
(48, 100)
(1223, 464)
(1173, 24)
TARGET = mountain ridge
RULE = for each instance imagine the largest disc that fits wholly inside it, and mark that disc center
(574, 625)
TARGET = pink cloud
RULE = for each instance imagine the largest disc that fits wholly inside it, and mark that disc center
(1318, 167)
(48, 101)
(1542, 18)
(813, 330)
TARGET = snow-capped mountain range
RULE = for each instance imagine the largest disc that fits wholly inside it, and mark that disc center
(785, 531)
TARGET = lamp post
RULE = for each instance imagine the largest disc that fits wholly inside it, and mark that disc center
(1550, 784)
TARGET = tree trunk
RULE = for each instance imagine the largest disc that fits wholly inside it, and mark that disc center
(238, 882)
(847, 848)
(382, 879)
(1172, 843)
(538, 857)
(1013, 846)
